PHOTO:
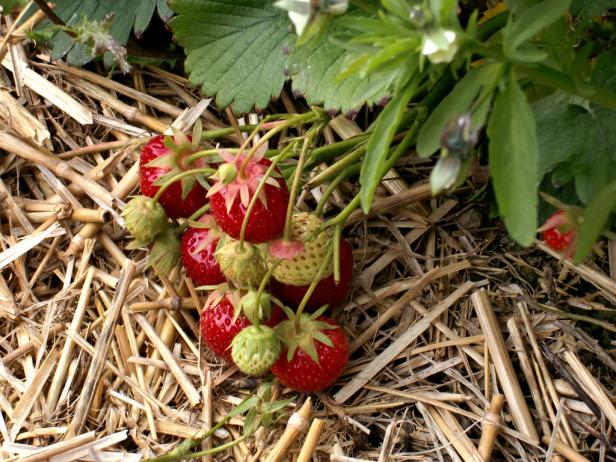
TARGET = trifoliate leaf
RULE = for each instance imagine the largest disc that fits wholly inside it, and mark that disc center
(235, 49)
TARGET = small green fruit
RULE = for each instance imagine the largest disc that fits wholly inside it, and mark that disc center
(255, 349)
(144, 219)
(241, 264)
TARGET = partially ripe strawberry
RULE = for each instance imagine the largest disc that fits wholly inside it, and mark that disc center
(315, 358)
(560, 232)
(198, 257)
(304, 266)
(167, 162)
(327, 292)
(236, 186)
(255, 349)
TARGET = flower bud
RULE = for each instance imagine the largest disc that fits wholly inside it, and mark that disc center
(445, 173)
(440, 46)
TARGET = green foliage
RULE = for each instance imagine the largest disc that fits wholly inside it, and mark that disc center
(8, 5)
(248, 50)
(527, 25)
(456, 104)
(577, 140)
(129, 15)
(513, 161)
(383, 132)
(315, 67)
(235, 49)
(591, 7)
(594, 218)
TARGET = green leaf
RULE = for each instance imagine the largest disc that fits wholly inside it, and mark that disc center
(251, 422)
(385, 127)
(455, 104)
(315, 68)
(513, 162)
(129, 14)
(595, 218)
(144, 13)
(235, 48)
(271, 408)
(576, 145)
(591, 7)
(244, 406)
(531, 22)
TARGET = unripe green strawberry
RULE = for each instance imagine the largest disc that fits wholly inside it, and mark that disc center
(144, 219)
(303, 268)
(242, 264)
(255, 349)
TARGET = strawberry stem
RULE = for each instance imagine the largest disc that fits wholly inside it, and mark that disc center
(331, 187)
(179, 176)
(204, 153)
(288, 224)
(337, 236)
(172, 457)
(255, 197)
(312, 287)
(195, 216)
(342, 217)
(261, 289)
(292, 121)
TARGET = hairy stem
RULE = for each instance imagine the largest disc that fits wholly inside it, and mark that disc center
(331, 187)
(313, 286)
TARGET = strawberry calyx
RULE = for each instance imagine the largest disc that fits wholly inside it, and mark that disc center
(218, 293)
(302, 330)
(248, 306)
(240, 175)
(179, 160)
(165, 252)
(206, 221)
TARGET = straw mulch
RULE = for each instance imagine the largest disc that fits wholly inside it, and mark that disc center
(449, 321)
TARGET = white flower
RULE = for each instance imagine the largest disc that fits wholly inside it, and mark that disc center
(445, 173)
(299, 11)
(440, 46)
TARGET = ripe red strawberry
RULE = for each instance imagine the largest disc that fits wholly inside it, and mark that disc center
(327, 292)
(198, 257)
(171, 199)
(560, 232)
(236, 186)
(219, 328)
(315, 359)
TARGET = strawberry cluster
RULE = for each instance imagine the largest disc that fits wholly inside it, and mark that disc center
(264, 265)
